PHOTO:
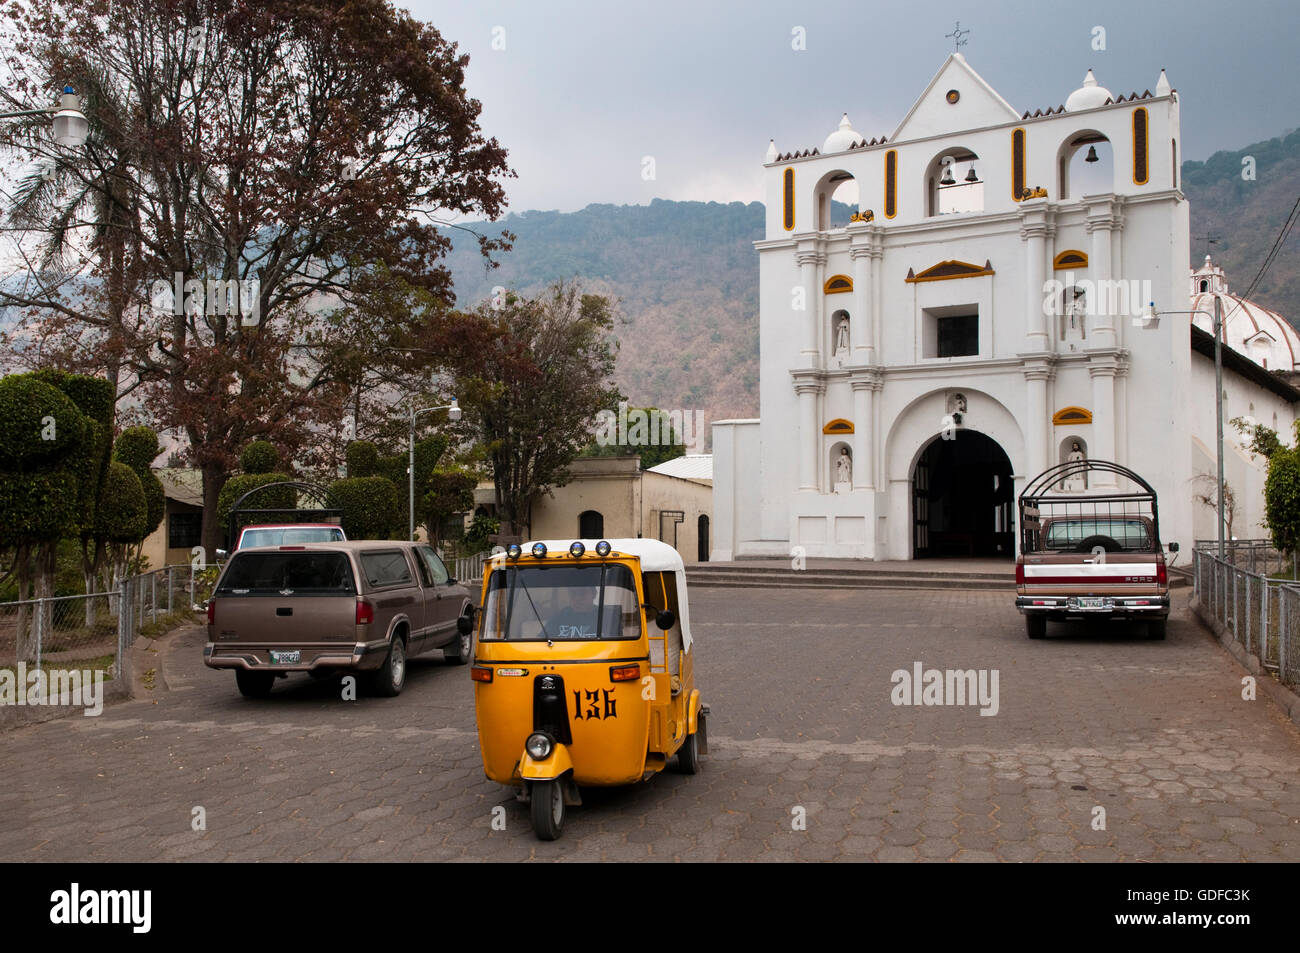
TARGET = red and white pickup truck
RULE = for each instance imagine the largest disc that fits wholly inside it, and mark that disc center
(1090, 548)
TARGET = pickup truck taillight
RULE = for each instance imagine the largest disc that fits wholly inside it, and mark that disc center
(212, 611)
(365, 612)
(1020, 573)
(1162, 574)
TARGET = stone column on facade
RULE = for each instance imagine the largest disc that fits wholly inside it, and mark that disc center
(1035, 228)
(810, 261)
(1101, 221)
(877, 297)
(1038, 371)
(808, 387)
(865, 385)
(1102, 368)
(863, 318)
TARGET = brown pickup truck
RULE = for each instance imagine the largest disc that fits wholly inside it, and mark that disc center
(1090, 548)
(323, 608)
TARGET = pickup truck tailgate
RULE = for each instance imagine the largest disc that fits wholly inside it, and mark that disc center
(1114, 574)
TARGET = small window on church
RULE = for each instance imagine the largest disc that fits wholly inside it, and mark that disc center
(951, 332)
(1205, 286)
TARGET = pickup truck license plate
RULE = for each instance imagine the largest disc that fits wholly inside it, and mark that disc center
(1090, 602)
(287, 658)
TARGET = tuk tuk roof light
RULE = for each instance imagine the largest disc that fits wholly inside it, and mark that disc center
(514, 551)
(603, 548)
(539, 550)
(576, 549)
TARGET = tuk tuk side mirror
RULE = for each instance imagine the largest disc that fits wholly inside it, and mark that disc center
(665, 619)
(465, 624)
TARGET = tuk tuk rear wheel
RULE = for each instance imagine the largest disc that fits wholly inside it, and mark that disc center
(546, 800)
(688, 755)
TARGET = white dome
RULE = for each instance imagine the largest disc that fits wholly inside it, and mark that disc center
(1087, 96)
(1262, 335)
(842, 138)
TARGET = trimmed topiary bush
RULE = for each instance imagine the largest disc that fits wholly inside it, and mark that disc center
(370, 507)
(362, 459)
(123, 511)
(260, 456)
(40, 426)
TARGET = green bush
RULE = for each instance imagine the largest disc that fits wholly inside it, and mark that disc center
(370, 507)
(137, 447)
(281, 497)
(362, 459)
(40, 426)
(123, 511)
(37, 505)
(260, 456)
(1282, 498)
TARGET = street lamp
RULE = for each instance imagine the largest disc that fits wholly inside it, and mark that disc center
(70, 124)
(454, 414)
(1150, 318)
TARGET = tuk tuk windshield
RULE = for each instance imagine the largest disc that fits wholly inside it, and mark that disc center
(561, 603)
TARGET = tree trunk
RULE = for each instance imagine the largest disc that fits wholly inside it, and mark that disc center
(214, 478)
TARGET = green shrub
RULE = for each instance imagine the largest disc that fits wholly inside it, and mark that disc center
(260, 456)
(370, 507)
(123, 512)
(362, 459)
(40, 426)
(137, 447)
(281, 497)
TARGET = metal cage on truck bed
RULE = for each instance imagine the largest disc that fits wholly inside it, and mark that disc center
(1114, 517)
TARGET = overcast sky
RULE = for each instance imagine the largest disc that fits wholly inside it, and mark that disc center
(583, 91)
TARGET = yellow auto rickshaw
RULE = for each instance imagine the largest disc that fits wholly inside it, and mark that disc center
(583, 670)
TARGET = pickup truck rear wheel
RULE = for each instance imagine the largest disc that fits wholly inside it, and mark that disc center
(254, 684)
(462, 647)
(389, 678)
(1036, 626)
(1156, 628)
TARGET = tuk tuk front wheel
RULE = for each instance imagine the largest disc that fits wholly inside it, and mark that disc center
(547, 802)
(688, 755)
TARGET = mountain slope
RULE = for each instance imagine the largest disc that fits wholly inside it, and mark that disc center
(686, 273)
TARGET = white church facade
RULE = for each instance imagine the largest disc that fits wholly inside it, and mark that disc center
(984, 312)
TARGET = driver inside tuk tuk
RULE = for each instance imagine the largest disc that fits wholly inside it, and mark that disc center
(577, 620)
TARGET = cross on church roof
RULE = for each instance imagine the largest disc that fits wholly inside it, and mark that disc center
(956, 36)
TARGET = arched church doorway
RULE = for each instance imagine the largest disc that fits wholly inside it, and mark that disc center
(963, 498)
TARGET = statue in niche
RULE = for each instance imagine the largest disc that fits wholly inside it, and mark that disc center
(1076, 482)
(1076, 307)
(842, 337)
(843, 471)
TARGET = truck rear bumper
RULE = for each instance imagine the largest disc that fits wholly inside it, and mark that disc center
(1080, 606)
(359, 656)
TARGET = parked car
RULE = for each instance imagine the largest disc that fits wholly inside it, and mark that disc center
(1090, 548)
(288, 534)
(360, 606)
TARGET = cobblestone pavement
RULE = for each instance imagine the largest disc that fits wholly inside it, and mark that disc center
(803, 727)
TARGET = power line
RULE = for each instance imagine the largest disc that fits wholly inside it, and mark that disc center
(1273, 252)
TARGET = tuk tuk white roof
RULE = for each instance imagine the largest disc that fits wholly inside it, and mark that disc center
(655, 556)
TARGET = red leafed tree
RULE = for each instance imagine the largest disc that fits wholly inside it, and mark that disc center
(264, 157)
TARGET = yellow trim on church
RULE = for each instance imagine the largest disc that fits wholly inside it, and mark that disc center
(948, 270)
(1141, 146)
(1071, 416)
(1070, 258)
(838, 426)
(837, 284)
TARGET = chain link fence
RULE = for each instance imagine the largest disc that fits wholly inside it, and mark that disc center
(94, 632)
(1252, 592)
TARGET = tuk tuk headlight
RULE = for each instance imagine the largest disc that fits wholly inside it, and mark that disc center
(514, 551)
(576, 549)
(539, 746)
(603, 548)
(539, 550)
